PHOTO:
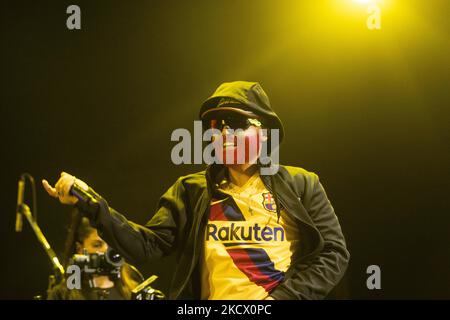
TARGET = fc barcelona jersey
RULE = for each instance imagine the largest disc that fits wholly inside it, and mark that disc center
(247, 250)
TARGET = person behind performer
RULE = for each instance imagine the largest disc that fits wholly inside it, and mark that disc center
(238, 233)
(82, 238)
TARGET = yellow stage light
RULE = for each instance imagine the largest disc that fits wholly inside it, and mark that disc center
(364, 1)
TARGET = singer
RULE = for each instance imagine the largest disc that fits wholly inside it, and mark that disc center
(239, 233)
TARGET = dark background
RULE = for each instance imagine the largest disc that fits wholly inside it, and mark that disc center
(366, 110)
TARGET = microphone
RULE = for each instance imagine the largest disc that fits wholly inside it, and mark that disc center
(87, 199)
(20, 192)
(82, 195)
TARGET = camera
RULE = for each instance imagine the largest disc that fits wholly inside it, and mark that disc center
(108, 263)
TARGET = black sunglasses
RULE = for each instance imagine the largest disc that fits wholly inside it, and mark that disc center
(233, 121)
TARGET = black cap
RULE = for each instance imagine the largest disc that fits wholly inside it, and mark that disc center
(244, 97)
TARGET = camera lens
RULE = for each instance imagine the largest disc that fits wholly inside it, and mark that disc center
(113, 257)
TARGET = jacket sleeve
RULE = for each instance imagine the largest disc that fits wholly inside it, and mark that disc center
(317, 276)
(137, 243)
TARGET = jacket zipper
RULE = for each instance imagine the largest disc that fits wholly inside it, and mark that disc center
(280, 199)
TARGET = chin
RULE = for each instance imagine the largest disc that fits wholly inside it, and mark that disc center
(229, 158)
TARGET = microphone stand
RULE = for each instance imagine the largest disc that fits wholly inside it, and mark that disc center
(58, 268)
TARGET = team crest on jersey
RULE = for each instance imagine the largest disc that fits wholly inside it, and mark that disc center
(269, 202)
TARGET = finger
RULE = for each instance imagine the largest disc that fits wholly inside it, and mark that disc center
(82, 184)
(58, 186)
(68, 182)
(50, 190)
(64, 185)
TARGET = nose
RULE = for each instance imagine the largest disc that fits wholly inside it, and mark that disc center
(226, 130)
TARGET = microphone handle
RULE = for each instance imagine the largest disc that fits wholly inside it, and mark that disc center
(82, 194)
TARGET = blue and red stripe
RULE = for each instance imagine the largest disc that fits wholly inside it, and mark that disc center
(226, 210)
(257, 266)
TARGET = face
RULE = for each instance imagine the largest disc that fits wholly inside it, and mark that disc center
(240, 140)
(93, 244)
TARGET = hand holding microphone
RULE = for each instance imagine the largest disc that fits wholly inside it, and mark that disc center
(63, 186)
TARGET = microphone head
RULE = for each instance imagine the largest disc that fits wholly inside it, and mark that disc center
(20, 192)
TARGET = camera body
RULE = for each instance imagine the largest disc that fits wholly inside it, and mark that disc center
(108, 263)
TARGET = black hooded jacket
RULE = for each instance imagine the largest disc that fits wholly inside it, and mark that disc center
(179, 226)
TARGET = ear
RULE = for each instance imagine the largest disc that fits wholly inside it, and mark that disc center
(78, 248)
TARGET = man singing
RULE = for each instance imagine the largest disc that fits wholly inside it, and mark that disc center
(238, 231)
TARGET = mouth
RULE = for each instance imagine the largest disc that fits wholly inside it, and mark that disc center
(228, 144)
